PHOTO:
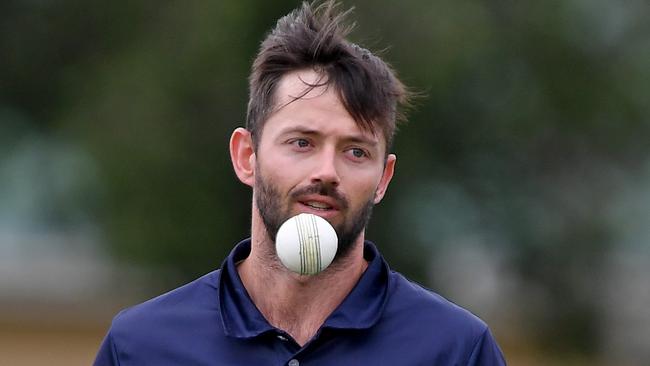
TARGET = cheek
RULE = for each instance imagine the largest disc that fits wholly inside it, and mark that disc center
(283, 177)
(362, 187)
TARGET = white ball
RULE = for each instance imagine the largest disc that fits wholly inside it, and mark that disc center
(306, 244)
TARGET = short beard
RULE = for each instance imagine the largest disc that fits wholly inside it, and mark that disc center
(269, 205)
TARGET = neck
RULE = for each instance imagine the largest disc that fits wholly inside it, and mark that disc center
(297, 304)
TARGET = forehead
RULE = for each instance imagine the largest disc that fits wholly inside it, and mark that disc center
(309, 94)
(301, 84)
(307, 98)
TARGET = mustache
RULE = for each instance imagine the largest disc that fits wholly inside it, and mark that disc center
(322, 189)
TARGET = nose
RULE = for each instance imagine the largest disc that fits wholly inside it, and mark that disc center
(325, 171)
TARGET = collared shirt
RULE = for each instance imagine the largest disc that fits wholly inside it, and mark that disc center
(385, 320)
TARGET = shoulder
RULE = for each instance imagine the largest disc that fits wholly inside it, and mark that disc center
(435, 328)
(188, 303)
(414, 305)
(170, 324)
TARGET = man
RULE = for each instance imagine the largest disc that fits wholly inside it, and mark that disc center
(321, 118)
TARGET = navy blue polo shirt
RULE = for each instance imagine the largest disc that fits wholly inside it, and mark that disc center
(385, 320)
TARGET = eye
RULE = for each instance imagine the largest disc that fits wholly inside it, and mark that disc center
(300, 143)
(357, 153)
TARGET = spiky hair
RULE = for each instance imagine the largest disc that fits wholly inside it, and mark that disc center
(314, 37)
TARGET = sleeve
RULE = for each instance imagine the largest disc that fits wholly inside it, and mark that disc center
(486, 352)
(107, 354)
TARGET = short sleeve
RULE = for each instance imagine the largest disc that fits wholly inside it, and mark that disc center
(486, 352)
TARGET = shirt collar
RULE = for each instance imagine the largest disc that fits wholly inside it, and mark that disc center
(361, 309)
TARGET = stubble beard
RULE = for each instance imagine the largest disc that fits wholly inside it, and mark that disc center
(269, 202)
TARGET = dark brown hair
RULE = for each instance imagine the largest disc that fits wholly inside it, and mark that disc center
(314, 37)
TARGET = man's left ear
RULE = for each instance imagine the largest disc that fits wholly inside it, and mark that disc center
(387, 175)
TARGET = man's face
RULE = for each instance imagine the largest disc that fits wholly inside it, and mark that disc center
(313, 158)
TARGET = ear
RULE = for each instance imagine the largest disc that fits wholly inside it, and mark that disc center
(387, 175)
(242, 155)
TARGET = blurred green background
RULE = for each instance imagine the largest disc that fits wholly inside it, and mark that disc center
(522, 189)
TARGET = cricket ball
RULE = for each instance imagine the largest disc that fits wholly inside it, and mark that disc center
(306, 244)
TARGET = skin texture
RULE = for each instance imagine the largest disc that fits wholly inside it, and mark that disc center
(310, 153)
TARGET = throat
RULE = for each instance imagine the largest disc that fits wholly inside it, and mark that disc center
(300, 329)
(301, 308)
(298, 305)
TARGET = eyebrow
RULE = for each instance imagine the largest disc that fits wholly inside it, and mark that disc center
(357, 138)
(299, 129)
